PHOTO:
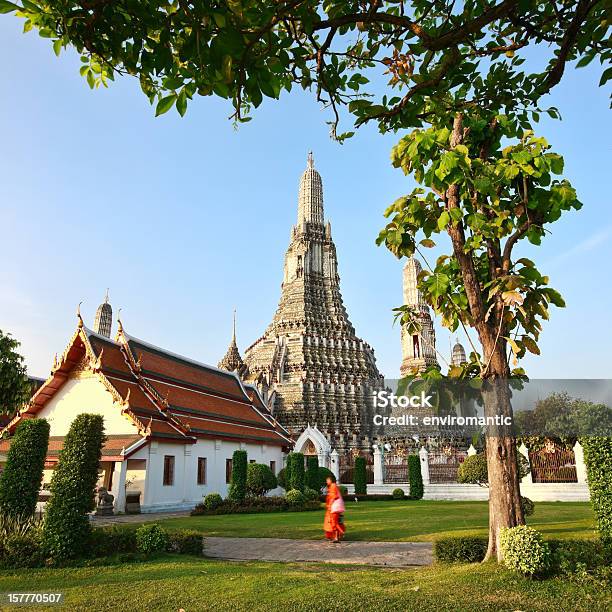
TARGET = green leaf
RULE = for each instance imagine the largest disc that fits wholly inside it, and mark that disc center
(443, 220)
(181, 103)
(530, 345)
(427, 243)
(8, 7)
(57, 46)
(165, 104)
(605, 77)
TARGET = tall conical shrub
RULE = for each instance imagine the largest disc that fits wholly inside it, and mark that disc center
(237, 490)
(312, 473)
(360, 479)
(295, 471)
(22, 475)
(66, 527)
(415, 478)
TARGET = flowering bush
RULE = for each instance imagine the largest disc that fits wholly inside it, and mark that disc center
(523, 550)
(212, 501)
(294, 497)
(151, 538)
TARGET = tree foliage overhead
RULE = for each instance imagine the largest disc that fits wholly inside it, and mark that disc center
(245, 50)
(15, 388)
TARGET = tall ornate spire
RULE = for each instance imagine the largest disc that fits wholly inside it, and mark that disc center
(310, 198)
(418, 350)
(458, 354)
(104, 318)
(232, 361)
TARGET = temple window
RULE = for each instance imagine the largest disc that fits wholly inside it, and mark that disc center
(168, 470)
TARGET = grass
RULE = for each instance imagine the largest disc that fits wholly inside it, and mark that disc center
(172, 583)
(394, 521)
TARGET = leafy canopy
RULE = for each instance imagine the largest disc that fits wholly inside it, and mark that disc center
(245, 50)
(15, 388)
(487, 197)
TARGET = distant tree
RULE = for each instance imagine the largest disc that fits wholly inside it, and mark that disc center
(66, 526)
(15, 388)
(22, 475)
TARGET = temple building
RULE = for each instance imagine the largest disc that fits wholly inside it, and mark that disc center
(316, 373)
(172, 424)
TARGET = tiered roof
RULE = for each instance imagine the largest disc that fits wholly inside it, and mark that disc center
(164, 395)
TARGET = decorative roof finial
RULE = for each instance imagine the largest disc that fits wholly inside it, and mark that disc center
(106, 296)
(310, 159)
(79, 317)
(234, 328)
(119, 323)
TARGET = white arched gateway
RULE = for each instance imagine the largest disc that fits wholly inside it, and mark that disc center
(313, 442)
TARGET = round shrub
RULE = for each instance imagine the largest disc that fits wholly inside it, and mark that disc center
(398, 494)
(311, 494)
(260, 479)
(151, 538)
(20, 480)
(523, 550)
(473, 470)
(527, 505)
(343, 490)
(212, 501)
(294, 497)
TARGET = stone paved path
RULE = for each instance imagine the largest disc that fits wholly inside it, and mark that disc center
(390, 554)
(100, 521)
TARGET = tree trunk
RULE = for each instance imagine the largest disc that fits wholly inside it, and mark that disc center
(504, 487)
(504, 492)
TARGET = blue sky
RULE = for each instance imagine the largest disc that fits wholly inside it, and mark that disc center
(185, 219)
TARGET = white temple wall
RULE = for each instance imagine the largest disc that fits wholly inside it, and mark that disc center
(185, 492)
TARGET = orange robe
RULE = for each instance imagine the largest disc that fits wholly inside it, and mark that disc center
(332, 525)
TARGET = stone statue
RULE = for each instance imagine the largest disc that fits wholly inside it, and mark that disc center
(104, 505)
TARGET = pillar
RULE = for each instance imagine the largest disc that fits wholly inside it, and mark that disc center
(525, 452)
(334, 464)
(379, 476)
(119, 486)
(581, 472)
(471, 451)
(424, 457)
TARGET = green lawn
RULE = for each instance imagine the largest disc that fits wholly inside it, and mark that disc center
(170, 583)
(395, 521)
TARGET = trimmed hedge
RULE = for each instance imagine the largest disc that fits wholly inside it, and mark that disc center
(415, 478)
(473, 470)
(256, 505)
(22, 475)
(237, 490)
(398, 494)
(360, 479)
(312, 473)
(598, 460)
(66, 527)
(260, 479)
(282, 478)
(463, 549)
(212, 501)
(324, 473)
(294, 475)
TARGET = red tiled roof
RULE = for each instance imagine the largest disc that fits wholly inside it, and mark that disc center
(163, 393)
(112, 447)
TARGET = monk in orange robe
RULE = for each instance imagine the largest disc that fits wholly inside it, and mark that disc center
(333, 525)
